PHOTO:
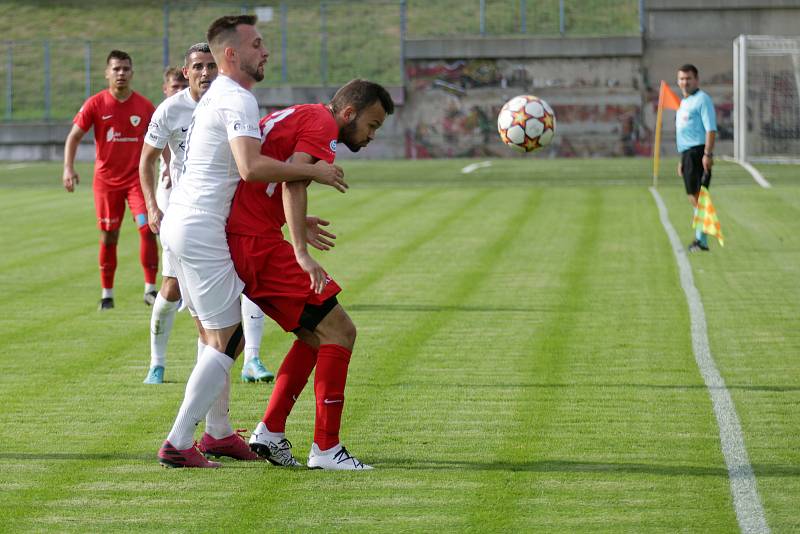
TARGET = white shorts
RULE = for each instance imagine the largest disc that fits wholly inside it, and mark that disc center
(162, 194)
(197, 248)
(167, 270)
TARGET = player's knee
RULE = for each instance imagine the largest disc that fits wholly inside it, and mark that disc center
(145, 231)
(347, 331)
(109, 237)
(170, 289)
(307, 337)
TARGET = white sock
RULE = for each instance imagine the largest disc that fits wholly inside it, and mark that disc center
(262, 429)
(253, 326)
(218, 425)
(108, 293)
(160, 327)
(205, 384)
(149, 288)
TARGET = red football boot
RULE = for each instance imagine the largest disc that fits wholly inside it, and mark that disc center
(233, 446)
(169, 456)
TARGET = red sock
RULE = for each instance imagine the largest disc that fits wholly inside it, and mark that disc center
(148, 254)
(108, 265)
(329, 381)
(292, 378)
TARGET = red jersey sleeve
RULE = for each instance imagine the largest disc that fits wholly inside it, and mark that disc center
(84, 119)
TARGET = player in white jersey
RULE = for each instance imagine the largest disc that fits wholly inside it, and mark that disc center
(223, 146)
(168, 127)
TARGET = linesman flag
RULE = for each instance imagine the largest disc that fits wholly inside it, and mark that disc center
(666, 99)
(705, 216)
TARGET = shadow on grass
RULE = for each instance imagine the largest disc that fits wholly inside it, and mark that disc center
(534, 385)
(435, 308)
(566, 466)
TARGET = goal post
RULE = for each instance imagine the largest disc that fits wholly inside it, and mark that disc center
(766, 98)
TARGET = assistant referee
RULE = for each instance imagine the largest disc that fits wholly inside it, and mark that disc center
(695, 133)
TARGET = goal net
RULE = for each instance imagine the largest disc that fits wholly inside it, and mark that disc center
(766, 98)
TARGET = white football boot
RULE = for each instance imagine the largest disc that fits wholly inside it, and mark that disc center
(274, 448)
(335, 458)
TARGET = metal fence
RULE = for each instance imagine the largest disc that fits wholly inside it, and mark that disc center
(311, 42)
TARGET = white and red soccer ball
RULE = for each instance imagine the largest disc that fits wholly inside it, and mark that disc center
(526, 123)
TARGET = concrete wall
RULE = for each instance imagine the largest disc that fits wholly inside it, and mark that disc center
(603, 90)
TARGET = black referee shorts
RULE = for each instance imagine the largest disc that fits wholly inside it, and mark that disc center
(693, 173)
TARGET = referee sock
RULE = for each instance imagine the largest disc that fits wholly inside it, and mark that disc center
(329, 382)
(701, 237)
(292, 378)
(205, 384)
(160, 327)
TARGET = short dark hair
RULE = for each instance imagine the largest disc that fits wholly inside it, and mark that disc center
(197, 47)
(120, 55)
(361, 94)
(174, 73)
(224, 28)
(688, 68)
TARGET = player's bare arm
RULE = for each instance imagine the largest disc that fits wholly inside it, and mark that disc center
(167, 155)
(255, 167)
(295, 204)
(147, 176)
(69, 177)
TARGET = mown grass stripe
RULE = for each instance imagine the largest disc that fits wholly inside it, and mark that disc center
(747, 503)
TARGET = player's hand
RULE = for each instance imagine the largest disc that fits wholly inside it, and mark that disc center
(328, 174)
(154, 217)
(70, 179)
(318, 237)
(680, 169)
(318, 277)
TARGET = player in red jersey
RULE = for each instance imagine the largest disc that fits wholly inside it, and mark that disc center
(287, 283)
(120, 117)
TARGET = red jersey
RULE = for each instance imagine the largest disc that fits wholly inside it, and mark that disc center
(257, 208)
(119, 129)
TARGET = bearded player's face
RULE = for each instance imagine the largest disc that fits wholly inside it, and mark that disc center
(252, 52)
(361, 130)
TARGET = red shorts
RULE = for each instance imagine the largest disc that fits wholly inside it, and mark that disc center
(274, 280)
(109, 204)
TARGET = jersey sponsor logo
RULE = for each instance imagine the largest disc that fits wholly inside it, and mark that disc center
(333, 145)
(152, 136)
(105, 117)
(115, 137)
(135, 120)
(240, 126)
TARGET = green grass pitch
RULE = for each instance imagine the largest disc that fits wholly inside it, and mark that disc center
(523, 363)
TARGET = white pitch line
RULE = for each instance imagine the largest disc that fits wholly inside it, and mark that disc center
(746, 502)
(757, 176)
(475, 166)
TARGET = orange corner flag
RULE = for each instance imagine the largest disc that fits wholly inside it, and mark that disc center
(667, 98)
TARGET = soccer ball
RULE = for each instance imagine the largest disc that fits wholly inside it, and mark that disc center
(526, 123)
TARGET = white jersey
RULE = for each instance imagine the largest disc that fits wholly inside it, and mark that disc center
(169, 126)
(210, 175)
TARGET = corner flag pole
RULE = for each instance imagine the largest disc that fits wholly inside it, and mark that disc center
(666, 99)
(657, 145)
